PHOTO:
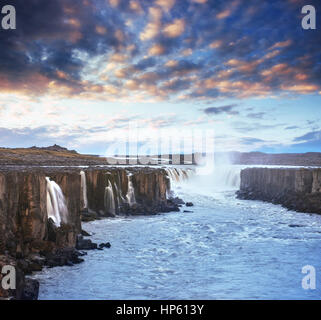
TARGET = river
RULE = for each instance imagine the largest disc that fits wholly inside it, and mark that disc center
(224, 249)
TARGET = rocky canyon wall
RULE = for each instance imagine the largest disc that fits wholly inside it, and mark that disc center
(297, 189)
(28, 237)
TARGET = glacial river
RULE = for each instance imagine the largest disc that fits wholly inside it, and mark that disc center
(225, 249)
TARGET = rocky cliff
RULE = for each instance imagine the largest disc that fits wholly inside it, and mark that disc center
(29, 239)
(295, 188)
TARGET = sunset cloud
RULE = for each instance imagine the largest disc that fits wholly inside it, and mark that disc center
(166, 4)
(111, 46)
(174, 29)
(156, 50)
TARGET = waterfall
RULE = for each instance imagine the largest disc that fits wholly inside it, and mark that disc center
(219, 178)
(84, 189)
(131, 192)
(226, 177)
(120, 198)
(56, 203)
(179, 175)
(110, 199)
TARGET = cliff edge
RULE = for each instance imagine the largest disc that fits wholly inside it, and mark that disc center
(297, 189)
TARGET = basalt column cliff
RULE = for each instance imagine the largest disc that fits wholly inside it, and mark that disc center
(295, 188)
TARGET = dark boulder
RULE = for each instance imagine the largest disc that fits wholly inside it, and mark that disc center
(63, 257)
(176, 201)
(30, 290)
(105, 245)
(85, 244)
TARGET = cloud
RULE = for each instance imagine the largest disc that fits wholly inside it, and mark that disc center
(166, 5)
(310, 136)
(153, 27)
(174, 29)
(199, 1)
(229, 109)
(39, 136)
(157, 50)
(310, 141)
(100, 50)
(251, 141)
(258, 115)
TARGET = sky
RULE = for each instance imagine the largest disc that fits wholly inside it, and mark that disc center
(88, 74)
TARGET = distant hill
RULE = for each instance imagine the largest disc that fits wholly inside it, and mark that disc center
(55, 147)
(59, 156)
(286, 159)
(47, 156)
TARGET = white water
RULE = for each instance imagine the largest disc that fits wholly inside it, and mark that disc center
(179, 174)
(110, 199)
(120, 198)
(56, 203)
(131, 192)
(84, 189)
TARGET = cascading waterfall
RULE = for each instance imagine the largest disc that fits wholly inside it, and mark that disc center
(226, 177)
(120, 198)
(84, 189)
(218, 174)
(131, 192)
(56, 203)
(179, 175)
(110, 199)
(216, 178)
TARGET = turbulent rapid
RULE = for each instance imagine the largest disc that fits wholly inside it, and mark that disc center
(223, 248)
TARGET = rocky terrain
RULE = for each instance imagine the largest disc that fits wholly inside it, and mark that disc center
(296, 189)
(29, 240)
(49, 156)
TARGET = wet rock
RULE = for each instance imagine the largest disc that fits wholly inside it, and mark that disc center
(85, 244)
(176, 201)
(28, 266)
(189, 204)
(85, 233)
(87, 216)
(187, 211)
(105, 245)
(30, 290)
(63, 257)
